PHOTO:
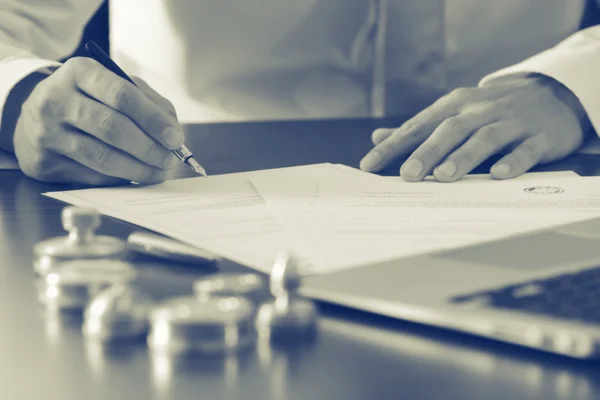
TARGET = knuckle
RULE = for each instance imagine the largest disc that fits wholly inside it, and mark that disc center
(72, 64)
(102, 157)
(119, 96)
(107, 125)
(43, 102)
(75, 112)
(82, 69)
(478, 107)
(451, 124)
(461, 93)
(78, 63)
(530, 150)
(488, 135)
(410, 128)
(432, 150)
(42, 138)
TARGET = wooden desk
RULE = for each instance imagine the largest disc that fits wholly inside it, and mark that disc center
(356, 355)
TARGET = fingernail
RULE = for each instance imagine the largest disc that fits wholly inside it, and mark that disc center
(173, 137)
(448, 169)
(501, 169)
(412, 168)
(371, 161)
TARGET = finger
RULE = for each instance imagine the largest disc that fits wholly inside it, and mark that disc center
(484, 143)
(45, 165)
(379, 135)
(413, 132)
(527, 155)
(101, 84)
(103, 158)
(115, 129)
(449, 135)
(157, 98)
(69, 171)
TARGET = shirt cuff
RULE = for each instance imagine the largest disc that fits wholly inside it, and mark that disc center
(13, 71)
(575, 63)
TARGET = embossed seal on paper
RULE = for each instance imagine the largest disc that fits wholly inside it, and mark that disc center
(544, 190)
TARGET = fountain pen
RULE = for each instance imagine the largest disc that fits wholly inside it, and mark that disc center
(183, 153)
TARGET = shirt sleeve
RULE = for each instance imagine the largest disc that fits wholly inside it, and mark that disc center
(34, 34)
(574, 62)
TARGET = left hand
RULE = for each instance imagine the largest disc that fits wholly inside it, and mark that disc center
(533, 119)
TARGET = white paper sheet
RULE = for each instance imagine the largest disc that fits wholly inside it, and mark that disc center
(228, 216)
(295, 200)
(222, 214)
(377, 221)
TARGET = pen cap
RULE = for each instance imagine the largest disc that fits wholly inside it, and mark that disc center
(168, 249)
(250, 286)
(216, 325)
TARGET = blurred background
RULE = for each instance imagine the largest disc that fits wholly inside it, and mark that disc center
(97, 30)
(151, 39)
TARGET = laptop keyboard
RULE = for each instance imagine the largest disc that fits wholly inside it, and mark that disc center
(573, 296)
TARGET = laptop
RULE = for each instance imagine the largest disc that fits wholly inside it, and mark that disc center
(540, 289)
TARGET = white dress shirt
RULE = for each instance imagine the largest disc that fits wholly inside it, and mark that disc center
(267, 59)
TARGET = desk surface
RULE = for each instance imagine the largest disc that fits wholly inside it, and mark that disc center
(355, 356)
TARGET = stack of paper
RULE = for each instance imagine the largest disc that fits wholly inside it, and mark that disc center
(332, 216)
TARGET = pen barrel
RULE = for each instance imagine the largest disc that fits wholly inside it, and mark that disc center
(183, 153)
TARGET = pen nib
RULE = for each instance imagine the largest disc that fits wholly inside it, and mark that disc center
(196, 166)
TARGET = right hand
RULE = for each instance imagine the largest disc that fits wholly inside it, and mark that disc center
(84, 124)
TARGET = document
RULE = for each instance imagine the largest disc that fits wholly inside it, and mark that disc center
(330, 216)
(222, 214)
(377, 221)
(295, 200)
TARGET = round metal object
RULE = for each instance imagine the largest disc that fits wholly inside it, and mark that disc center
(286, 316)
(81, 243)
(285, 276)
(63, 248)
(72, 286)
(216, 325)
(250, 286)
(80, 218)
(120, 311)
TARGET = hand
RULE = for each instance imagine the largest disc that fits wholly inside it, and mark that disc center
(84, 124)
(533, 119)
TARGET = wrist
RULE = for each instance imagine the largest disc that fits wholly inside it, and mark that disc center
(572, 101)
(12, 108)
